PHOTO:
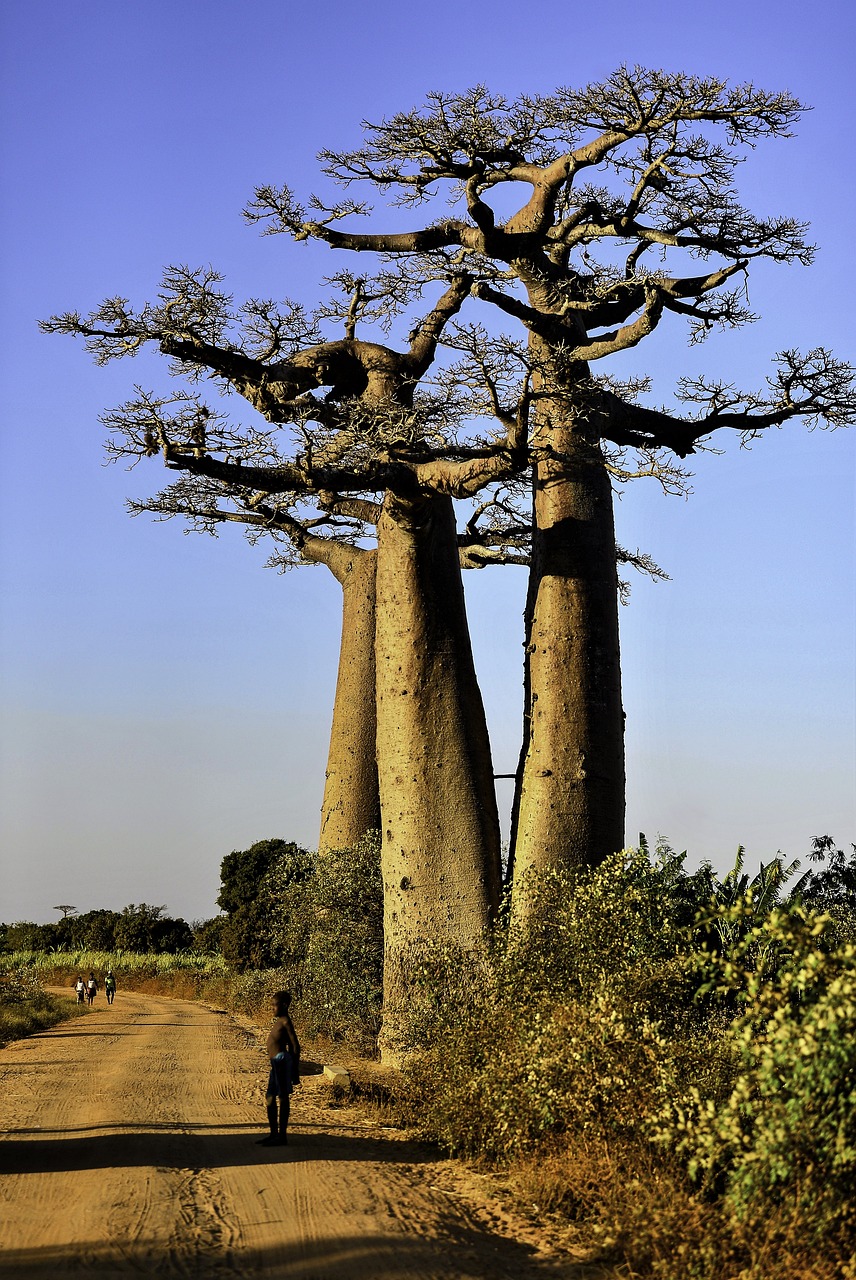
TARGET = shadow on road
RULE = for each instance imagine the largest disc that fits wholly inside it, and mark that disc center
(171, 1148)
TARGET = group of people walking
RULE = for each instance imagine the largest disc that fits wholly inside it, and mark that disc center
(87, 990)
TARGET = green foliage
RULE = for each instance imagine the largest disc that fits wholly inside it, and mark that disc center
(312, 924)
(242, 872)
(141, 928)
(787, 1131)
(146, 928)
(19, 984)
(250, 882)
(25, 1007)
(23, 935)
(64, 965)
(587, 1011)
(830, 887)
(342, 978)
(318, 922)
(208, 935)
(695, 1036)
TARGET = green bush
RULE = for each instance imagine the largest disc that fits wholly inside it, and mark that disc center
(25, 1007)
(580, 1020)
(691, 1041)
(786, 1134)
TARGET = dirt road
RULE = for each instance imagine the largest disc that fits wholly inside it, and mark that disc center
(129, 1147)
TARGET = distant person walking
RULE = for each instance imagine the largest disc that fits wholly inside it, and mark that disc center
(80, 988)
(283, 1050)
(91, 987)
(110, 986)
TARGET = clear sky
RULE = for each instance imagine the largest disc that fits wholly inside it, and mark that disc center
(165, 698)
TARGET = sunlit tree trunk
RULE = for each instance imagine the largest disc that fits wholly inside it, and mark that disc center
(570, 808)
(351, 804)
(441, 846)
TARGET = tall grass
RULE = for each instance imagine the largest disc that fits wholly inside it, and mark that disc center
(57, 965)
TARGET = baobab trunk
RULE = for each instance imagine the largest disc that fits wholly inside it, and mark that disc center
(570, 803)
(351, 804)
(440, 850)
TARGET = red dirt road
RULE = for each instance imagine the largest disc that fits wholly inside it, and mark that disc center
(129, 1148)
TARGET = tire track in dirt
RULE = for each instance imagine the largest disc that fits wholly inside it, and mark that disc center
(129, 1148)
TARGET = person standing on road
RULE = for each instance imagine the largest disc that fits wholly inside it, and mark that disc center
(80, 988)
(283, 1050)
(110, 986)
(91, 987)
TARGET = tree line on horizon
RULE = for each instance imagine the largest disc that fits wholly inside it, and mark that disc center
(399, 438)
(138, 927)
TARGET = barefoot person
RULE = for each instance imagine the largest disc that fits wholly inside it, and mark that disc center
(91, 987)
(80, 988)
(284, 1052)
(110, 986)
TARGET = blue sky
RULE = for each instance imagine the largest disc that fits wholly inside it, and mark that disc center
(165, 698)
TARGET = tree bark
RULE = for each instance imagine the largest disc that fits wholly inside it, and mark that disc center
(570, 807)
(441, 845)
(351, 804)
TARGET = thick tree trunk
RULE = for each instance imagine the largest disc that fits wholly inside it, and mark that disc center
(441, 846)
(570, 807)
(351, 803)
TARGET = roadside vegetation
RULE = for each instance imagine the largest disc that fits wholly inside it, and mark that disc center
(665, 1059)
(137, 928)
(25, 1007)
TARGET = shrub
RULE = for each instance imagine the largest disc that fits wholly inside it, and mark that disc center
(25, 1007)
(681, 1079)
(784, 1139)
(581, 1020)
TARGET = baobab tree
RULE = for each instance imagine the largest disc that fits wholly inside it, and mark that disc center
(370, 434)
(625, 185)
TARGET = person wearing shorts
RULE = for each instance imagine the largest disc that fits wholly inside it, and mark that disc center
(283, 1050)
(110, 986)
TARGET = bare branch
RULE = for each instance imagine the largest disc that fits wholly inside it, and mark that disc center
(628, 335)
(815, 387)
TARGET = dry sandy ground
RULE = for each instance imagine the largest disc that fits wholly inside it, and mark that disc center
(129, 1148)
